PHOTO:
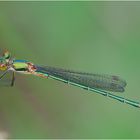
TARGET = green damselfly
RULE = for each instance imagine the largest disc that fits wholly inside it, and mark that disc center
(98, 83)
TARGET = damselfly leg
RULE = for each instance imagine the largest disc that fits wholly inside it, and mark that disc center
(3, 74)
(13, 79)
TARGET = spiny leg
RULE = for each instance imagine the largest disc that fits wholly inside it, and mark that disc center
(13, 79)
(3, 74)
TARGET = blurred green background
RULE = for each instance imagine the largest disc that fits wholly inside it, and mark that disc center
(97, 37)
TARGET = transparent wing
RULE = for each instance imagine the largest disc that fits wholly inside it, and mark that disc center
(98, 81)
(6, 80)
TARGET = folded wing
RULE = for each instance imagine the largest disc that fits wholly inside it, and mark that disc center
(85, 80)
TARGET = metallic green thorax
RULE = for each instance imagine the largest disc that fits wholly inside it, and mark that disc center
(20, 65)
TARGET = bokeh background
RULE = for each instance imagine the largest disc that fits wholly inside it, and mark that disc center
(97, 37)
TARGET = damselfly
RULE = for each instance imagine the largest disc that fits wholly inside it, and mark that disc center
(98, 83)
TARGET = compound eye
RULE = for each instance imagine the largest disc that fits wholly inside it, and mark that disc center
(6, 55)
(1, 61)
